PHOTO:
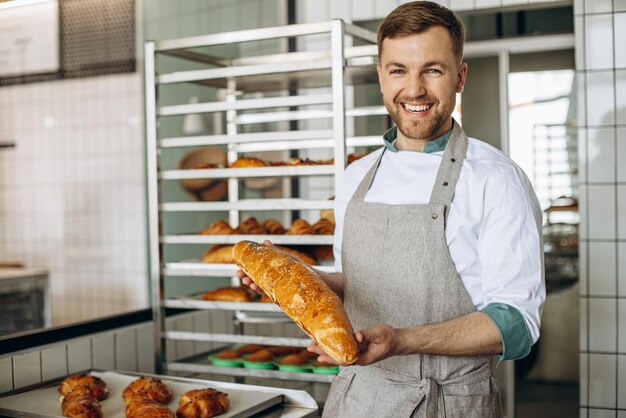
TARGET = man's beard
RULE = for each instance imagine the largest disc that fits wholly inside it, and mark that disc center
(427, 128)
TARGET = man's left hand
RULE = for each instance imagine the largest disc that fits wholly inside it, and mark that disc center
(375, 344)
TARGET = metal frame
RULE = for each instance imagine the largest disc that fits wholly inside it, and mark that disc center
(336, 67)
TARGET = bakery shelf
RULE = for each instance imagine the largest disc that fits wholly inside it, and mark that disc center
(246, 104)
(233, 239)
(217, 173)
(243, 138)
(236, 339)
(196, 268)
(244, 372)
(284, 91)
(247, 204)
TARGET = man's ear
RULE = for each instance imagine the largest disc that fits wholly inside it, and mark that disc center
(461, 77)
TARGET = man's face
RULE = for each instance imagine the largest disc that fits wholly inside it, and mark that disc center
(419, 77)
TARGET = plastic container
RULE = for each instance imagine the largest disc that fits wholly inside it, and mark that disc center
(230, 362)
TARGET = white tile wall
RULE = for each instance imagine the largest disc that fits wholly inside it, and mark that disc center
(602, 324)
(602, 379)
(601, 46)
(73, 199)
(600, 155)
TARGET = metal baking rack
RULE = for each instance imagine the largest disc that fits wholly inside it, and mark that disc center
(270, 89)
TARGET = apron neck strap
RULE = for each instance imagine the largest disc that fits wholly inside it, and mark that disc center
(450, 168)
(447, 176)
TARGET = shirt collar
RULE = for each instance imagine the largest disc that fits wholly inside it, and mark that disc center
(437, 144)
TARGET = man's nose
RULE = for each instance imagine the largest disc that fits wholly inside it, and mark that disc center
(414, 86)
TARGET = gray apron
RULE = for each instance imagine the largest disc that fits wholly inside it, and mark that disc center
(398, 271)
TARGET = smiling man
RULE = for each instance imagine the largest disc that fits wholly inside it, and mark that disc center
(438, 242)
(438, 246)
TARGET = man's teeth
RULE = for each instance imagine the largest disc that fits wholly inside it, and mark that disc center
(418, 108)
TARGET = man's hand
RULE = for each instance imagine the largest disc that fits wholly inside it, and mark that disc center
(243, 276)
(375, 344)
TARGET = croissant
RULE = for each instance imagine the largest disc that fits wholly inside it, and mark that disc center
(301, 227)
(217, 228)
(303, 295)
(294, 360)
(250, 348)
(228, 354)
(147, 408)
(220, 254)
(250, 227)
(323, 227)
(261, 356)
(273, 227)
(245, 162)
(228, 294)
(84, 384)
(81, 405)
(202, 403)
(148, 388)
(322, 252)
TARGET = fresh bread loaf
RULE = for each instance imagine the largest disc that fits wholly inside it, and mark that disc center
(302, 294)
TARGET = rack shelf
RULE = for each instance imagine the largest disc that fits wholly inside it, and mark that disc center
(196, 268)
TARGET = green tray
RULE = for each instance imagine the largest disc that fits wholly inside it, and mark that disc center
(237, 362)
(326, 370)
(259, 364)
(292, 368)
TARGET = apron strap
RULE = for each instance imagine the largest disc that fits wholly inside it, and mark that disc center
(365, 184)
(450, 168)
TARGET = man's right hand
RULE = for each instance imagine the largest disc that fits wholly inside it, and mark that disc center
(246, 280)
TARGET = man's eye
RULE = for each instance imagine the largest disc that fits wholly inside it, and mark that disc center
(434, 71)
(395, 72)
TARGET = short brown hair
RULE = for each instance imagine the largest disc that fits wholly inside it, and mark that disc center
(419, 16)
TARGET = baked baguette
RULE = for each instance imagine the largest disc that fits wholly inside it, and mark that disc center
(302, 295)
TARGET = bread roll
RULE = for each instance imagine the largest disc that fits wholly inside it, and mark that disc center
(301, 227)
(84, 384)
(147, 388)
(303, 295)
(81, 405)
(217, 228)
(274, 227)
(228, 294)
(147, 408)
(202, 403)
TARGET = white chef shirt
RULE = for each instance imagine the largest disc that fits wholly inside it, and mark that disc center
(493, 229)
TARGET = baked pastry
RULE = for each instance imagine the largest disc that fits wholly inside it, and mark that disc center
(322, 252)
(147, 408)
(148, 388)
(217, 228)
(250, 227)
(246, 162)
(228, 354)
(353, 157)
(294, 360)
(308, 354)
(202, 403)
(303, 295)
(266, 299)
(283, 350)
(261, 356)
(228, 294)
(81, 405)
(301, 227)
(84, 384)
(220, 254)
(305, 258)
(273, 227)
(323, 227)
(250, 348)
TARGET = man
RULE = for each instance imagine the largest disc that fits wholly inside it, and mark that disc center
(437, 244)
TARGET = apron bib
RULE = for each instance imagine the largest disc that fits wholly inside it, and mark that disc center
(398, 271)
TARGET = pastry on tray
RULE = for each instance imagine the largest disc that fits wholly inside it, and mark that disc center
(147, 388)
(228, 354)
(261, 356)
(273, 227)
(301, 227)
(294, 360)
(84, 384)
(323, 227)
(228, 294)
(217, 228)
(283, 350)
(250, 227)
(202, 403)
(247, 162)
(147, 408)
(250, 348)
(81, 405)
(219, 254)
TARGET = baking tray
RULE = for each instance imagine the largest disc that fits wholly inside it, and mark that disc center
(43, 401)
